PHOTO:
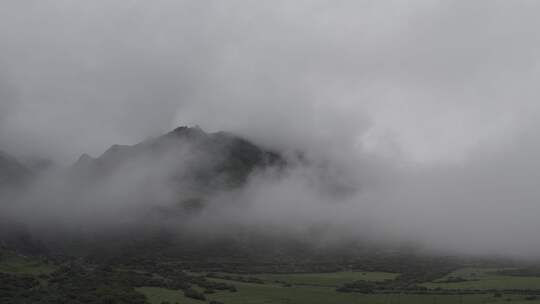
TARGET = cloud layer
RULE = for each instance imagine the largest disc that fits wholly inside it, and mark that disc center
(429, 107)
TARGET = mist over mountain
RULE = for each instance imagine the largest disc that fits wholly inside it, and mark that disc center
(204, 162)
(156, 182)
(11, 171)
(190, 186)
(166, 151)
(411, 123)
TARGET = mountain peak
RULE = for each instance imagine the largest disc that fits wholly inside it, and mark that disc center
(190, 155)
(189, 132)
(85, 158)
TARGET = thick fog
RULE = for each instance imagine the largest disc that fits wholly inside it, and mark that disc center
(425, 113)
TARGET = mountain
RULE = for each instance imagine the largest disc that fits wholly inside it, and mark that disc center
(12, 172)
(133, 190)
(187, 157)
(13, 175)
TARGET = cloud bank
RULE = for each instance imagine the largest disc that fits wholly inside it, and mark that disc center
(429, 108)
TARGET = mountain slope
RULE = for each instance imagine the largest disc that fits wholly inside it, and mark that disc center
(12, 172)
(185, 156)
(131, 193)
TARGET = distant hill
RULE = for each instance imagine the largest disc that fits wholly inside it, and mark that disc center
(186, 156)
(13, 176)
(166, 178)
(12, 172)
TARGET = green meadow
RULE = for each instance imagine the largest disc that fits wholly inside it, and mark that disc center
(17, 264)
(273, 294)
(484, 278)
(333, 279)
(315, 288)
(478, 285)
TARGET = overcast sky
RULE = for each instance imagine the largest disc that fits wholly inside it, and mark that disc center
(446, 91)
(425, 80)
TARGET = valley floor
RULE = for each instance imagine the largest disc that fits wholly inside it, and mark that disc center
(38, 280)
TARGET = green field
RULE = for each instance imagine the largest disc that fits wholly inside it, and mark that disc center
(332, 279)
(471, 273)
(485, 278)
(17, 264)
(318, 288)
(327, 279)
(159, 295)
(313, 288)
(273, 294)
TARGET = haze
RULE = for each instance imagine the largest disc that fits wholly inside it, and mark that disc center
(428, 109)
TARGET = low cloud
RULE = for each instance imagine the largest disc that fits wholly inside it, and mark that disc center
(423, 113)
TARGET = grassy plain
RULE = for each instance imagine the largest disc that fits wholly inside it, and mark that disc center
(316, 288)
(332, 279)
(320, 288)
(484, 278)
(17, 264)
(273, 294)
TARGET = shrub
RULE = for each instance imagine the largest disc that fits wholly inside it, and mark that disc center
(191, 293)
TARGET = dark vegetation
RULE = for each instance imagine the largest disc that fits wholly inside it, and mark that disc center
(76, 281)
(71, 285)
(80, 280)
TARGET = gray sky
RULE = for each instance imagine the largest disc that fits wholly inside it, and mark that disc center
(445, 93)
(428, 80)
